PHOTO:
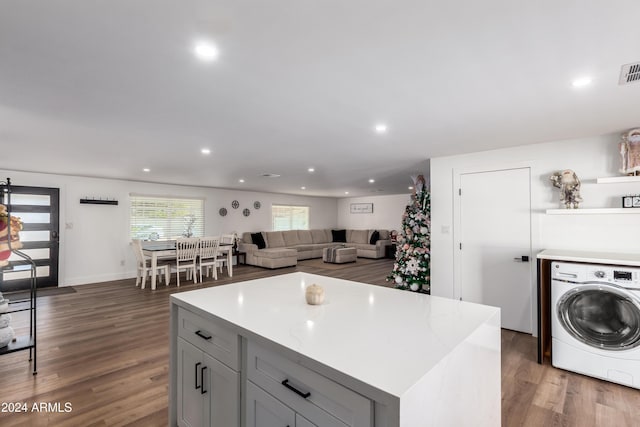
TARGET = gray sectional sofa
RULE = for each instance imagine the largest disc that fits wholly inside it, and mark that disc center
(285, 248)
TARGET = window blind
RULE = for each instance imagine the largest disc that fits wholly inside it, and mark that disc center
(163, 218)
(284, 217)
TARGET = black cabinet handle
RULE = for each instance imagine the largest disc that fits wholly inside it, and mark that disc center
(202, 391)
(197, 386)
(202, 335)
(295, 390)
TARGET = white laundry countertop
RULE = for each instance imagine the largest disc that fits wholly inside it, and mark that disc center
(386, 338)
(591, 257)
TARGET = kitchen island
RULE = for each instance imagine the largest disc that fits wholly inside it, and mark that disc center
(255, 354)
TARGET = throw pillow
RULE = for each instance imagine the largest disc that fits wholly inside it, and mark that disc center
(339, 235)
(375, 236)
(258, 239)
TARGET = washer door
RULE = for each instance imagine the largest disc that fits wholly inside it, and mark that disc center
(602, 316)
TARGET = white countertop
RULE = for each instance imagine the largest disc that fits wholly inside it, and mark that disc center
(591, 257)
(383, 337)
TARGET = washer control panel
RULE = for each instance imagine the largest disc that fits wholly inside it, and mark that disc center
(628, 277)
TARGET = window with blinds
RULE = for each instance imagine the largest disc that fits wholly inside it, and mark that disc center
(160, 218)
(285, 217)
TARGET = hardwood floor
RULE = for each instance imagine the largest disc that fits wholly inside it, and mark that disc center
(104, 350)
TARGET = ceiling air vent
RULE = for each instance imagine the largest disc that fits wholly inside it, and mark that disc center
(270, 175)
(630, 73)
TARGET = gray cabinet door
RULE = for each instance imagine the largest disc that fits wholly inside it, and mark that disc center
(190, 398)
(208, 391)
(221, 391)
(263, 410)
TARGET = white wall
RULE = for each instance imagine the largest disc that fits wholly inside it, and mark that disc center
(387, 212)
(98, 241)
(590, 158)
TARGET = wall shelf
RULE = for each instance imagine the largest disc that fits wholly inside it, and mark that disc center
(593, 211)
(618, 179)
(98, 202)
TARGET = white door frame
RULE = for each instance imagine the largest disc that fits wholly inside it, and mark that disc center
(457, 229)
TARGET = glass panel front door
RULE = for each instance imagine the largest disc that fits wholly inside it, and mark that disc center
(38, 207)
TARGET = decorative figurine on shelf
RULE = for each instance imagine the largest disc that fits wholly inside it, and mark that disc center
(630, 152)
(569, 184)
(15, 225)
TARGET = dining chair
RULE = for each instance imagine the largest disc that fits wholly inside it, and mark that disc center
(143, 267)
(226, 239)
(186, 257)
(209, 256)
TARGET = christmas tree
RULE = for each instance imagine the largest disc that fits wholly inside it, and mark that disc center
(412, 268)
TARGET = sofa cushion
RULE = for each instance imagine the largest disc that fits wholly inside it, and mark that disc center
(339, 235)
(274, 253)
(303, 248)
(258, 239)
(319, 236)
(304, 236)
(359, 236)
(384, 234)
(290, 238)
(375, 236)
(275, 239)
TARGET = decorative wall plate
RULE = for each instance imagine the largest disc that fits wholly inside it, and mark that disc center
(256, 205)
(246, 212)
(235, 204)
(223, 211)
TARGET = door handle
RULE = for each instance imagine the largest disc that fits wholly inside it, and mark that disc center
(203, 335)
(523, 258)
(197, 386)
(54, 235)
(295, 390)
(202, 390)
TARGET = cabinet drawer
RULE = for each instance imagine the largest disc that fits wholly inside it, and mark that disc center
(209, 337)
(319, 399)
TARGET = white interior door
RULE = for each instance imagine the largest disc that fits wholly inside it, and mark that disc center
(495, 224)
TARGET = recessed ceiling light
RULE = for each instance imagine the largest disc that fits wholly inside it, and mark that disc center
(205, 51)
(410, 188)
(146, 170)
(381, 128)
(346, 192)
(303, 188)
(241, 180)
(205, 151)
(311, 170)
(371, 181)
(581, 82)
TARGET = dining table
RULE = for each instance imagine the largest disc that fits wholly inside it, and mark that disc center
(157, 250)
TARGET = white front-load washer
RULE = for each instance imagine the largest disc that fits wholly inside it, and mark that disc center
(595, 321)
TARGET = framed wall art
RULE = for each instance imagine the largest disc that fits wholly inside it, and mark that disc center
(358, 208)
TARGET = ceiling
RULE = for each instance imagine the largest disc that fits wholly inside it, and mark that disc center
(107, 88)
